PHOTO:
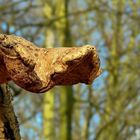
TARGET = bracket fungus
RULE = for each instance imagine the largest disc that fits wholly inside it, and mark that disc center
(39, 69)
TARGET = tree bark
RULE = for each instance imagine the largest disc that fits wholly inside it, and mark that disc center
(9, 128)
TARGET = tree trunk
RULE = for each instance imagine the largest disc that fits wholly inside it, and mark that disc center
(9, 128)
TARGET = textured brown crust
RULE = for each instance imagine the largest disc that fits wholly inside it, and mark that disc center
(38, 69)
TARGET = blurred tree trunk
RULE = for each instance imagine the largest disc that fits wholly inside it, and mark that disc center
(67, 92)
(58, 35)
(9, 128)
(48, 102)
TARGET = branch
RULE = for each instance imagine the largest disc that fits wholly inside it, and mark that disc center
(39, 69)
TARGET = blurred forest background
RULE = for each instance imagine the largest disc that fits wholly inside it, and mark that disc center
(109, 109)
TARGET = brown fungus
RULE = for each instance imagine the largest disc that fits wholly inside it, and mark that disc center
(39, 69)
